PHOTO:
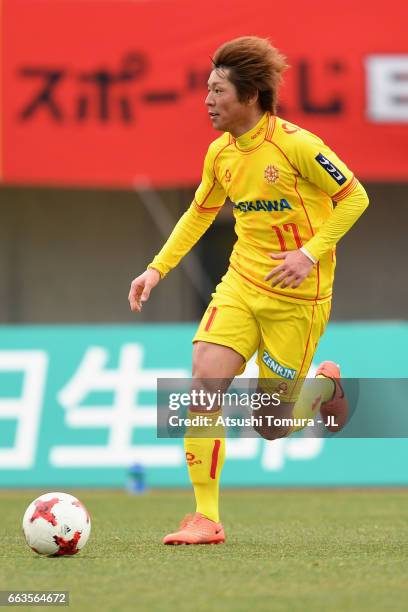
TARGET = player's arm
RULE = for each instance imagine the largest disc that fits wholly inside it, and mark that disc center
(323, 168)
(318, 164)
(209, 199)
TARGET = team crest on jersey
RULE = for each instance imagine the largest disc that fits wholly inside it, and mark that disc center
(228, 176)
(271, 174)
(282, 388)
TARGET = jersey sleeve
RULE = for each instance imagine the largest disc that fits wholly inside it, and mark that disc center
(210, 195)
(209, 199)
(317, 163)
(339, 223)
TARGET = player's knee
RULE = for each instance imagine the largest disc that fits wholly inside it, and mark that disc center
(272, 432)
(202, 365)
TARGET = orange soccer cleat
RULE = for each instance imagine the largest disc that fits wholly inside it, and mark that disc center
(337, 406)
(196, 529)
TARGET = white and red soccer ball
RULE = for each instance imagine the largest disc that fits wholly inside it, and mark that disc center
(56, 524)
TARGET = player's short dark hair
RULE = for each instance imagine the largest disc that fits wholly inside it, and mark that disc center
(254, 65)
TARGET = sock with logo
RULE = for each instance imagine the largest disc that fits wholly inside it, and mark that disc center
(314, 392)
(205, 455)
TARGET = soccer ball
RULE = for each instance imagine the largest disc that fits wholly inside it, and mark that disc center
(56, 524)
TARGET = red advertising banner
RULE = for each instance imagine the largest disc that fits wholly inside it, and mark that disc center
(111, 93)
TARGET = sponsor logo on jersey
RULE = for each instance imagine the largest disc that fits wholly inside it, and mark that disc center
(330, 169)
(267, 205)
(276, 367)
(271, 174)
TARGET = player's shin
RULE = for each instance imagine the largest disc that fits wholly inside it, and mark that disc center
(313, 393)
(205, 454)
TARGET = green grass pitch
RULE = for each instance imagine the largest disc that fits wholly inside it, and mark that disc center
(286, 551)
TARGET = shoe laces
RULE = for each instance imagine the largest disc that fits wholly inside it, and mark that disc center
(197, 524)
(186, 520)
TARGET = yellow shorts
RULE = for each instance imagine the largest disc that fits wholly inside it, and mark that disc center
(284, 334)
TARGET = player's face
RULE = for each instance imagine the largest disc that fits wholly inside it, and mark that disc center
(225, 110)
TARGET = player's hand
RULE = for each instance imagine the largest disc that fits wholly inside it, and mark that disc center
(141, 287)
(296, 266)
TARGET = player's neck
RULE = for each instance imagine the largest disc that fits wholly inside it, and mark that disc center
(247, 124)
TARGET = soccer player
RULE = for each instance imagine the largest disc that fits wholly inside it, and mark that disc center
(275, 296)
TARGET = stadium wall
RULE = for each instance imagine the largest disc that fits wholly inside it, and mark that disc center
(68, 256)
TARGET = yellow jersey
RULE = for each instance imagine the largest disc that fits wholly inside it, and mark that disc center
(282, 181)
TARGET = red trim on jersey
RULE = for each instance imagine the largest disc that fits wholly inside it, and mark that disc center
(285, 156)
(202, 208)
(312, 232)
(304, 207)
(305, 353)
(214, 458)
(325, 297)
(305, 211)
(308, 340)
(318, 279)
(211, 318)
(343, 193)
(216, 157)
(208, 194)
(271, 128)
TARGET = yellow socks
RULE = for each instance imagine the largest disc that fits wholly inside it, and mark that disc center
(205, 445)
(205, 455)
(326, 387)
(314, 392)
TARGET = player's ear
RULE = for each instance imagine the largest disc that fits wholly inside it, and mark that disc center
(253, 99)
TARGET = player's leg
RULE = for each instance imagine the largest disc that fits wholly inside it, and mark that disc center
(324, 393)
(214, 366)
(290, 333)
(226, 338)
(335, 408)
(221, 349)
